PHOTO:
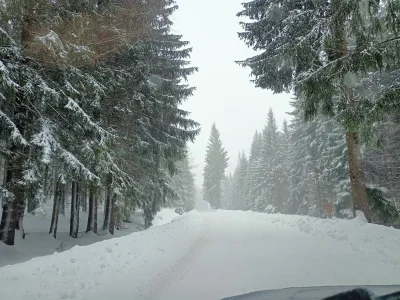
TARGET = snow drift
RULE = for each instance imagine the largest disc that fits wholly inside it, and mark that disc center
(83, 271)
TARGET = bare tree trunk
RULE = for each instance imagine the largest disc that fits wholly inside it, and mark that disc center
(84, 196)
(75, 207)
(107, 207)
(61, 195)
(20, 214)
(95, 208)
(107, 210)
(78, 205)
(72, 214)
(74, 219)
(55, 205)
(357, 181)
(89, 226)
(62, 202)
(113, 214)
(7, 225)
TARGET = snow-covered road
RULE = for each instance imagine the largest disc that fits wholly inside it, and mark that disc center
(211, 255)
(237, 254)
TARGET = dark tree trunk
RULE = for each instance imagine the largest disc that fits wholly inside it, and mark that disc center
(107, 210)
(113, 217)
(62, 202)
(357, 181)
(47, 175)
(75, 207)
(107, 207)
(72, 215)
(59, 194)
(89, 226)
(84, 197)
(95, 207)
(78, 205)
(12, 215)
(55, 205)
(21, 227)
(20, 213)
(7, 225)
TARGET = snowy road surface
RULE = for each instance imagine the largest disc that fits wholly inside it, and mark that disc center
(211, 255)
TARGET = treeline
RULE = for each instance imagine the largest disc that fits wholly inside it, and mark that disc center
(302, 169)
(341, 60)
(89, 99)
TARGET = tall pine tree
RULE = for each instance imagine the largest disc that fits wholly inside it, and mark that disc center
(214, 171)
(239, 197)
(252, 185)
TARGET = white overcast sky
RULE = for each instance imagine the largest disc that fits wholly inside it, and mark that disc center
(224, 93)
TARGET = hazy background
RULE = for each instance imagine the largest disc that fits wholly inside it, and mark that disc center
(224, 93)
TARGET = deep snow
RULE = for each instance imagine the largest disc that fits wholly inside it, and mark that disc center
(39, 242)
(211, 255)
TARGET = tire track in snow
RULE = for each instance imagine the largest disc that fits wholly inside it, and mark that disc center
(177, 272)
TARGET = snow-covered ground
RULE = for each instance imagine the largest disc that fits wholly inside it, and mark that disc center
(38, 242)
(211, 255)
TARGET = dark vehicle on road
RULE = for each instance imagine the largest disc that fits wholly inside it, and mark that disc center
(376, 292)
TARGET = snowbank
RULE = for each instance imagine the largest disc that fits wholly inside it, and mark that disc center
(165, 216)
(39, 242)
(376, 240)
(104, 266)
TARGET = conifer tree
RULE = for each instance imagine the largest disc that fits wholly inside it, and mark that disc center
(93, 90)
(321, 49)
(239, 199)
(183, 185)
(253, 176)
(214, 171)
(227, 193)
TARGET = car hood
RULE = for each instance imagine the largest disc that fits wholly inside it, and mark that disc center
(312, 292)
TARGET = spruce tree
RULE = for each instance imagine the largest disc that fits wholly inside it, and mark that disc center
(318, 166)
(266, 168)
(183, 185)
(227, 193)
(271, 161)
(321, 49)
(252, 185)
(43, 90)
(239, 199)
(214, 171)
(282, 169)
(101, 106)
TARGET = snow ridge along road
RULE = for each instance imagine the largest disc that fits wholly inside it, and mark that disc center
(211, 255)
